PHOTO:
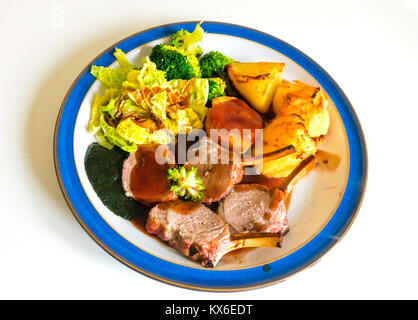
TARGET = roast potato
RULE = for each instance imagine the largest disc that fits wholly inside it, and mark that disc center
(310, 103)
(283, 131)
(256, 82)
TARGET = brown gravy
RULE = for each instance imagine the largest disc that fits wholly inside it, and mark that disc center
(271, 183)
(234, 114)
(140, 223)
(328, 160)
(148, 178)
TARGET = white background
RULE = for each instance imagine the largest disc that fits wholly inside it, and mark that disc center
(369, 47)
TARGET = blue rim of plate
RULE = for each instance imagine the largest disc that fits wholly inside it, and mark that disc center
(201, 279)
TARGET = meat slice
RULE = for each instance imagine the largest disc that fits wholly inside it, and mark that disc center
(146, 180)
(191, 228)
(218, 172)
(253, 208)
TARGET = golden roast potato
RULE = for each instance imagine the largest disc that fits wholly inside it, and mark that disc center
(310, 103)
(256, 82)
(283, 131)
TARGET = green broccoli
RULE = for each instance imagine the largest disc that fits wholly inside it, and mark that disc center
(216, 89)
(213, 63)
(186, 183)
(176, 62)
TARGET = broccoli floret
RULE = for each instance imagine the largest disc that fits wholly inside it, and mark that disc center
(213, 63)
(187, 41)
(230, 89)
(177, 63)
(216, 89)
(186, 183)
(177, 38)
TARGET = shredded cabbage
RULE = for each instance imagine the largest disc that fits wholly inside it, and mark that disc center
(197, 96)
(187, 41)
(101, 139)
(182, 120)
(196, 36)
(130, 131)
(125, 65)
(194, 120)
(159, 104)
(94, 122)
(113, 78)
(147, 76)
(145, 93)
(129, 108)
(177, 84)
(114, 138)
(163, 136)
(110, 108)
(110, 78)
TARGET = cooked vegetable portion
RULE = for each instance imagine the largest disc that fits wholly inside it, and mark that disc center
(143, 107)
(112, 135)
(176, 62)
(187, 41)
(179, 60)
(146, 76)
(216, 88)
(256, 82)
(104, 171)
(213, 64)
(281, 132)
(310, 103)
(196, 97)
(113, 78)
(186, 183)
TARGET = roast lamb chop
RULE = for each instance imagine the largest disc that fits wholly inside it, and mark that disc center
(219, 169)
(199, 233)
(254, 208)
(144, 179)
